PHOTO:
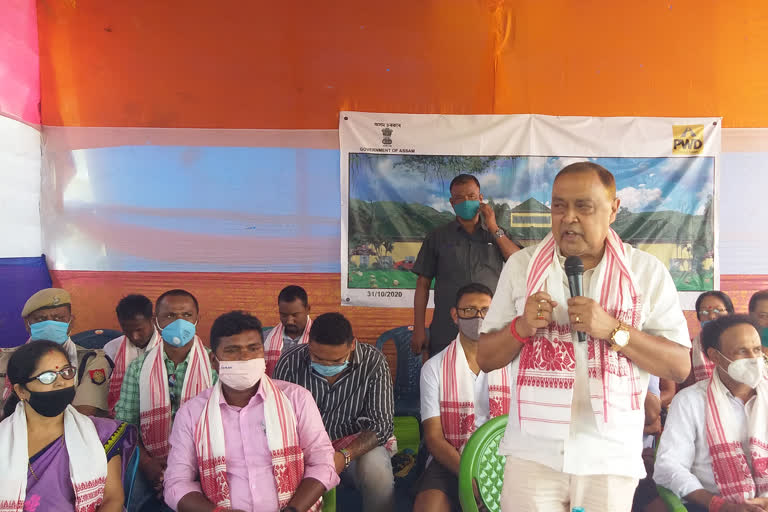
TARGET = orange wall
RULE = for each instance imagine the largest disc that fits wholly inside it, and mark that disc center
(196, 63)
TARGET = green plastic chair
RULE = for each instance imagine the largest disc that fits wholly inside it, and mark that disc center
(674, 504)
(329, 501)
(481, 462)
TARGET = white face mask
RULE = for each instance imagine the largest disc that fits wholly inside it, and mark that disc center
(242, 375)
(749, 372)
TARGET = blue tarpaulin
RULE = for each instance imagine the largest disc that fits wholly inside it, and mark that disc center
(19, 279)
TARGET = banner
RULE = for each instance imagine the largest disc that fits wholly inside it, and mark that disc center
(396, 168)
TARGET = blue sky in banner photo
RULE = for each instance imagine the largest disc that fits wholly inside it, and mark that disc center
(643, 184)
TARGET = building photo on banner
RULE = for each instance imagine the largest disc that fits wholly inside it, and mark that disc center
(396, 171)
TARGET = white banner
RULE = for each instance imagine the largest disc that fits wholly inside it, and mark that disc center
(395, 171)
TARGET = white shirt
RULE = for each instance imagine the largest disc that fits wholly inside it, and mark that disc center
(683, 463)
(587, 451)
(430, 389)
(111, 348)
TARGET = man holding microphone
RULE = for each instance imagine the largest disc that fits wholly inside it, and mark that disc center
(574, 437)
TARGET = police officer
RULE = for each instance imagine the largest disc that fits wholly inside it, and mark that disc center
(48, 316)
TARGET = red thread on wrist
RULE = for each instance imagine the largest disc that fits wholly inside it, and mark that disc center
(716, 504)
(513, 330)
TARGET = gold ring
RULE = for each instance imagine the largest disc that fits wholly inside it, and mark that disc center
(578, 320)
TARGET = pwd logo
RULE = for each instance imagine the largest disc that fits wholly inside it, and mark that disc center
(688, 139)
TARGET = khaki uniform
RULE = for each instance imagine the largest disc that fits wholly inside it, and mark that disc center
(93, 372)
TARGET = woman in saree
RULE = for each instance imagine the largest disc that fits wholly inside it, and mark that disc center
(55, 458)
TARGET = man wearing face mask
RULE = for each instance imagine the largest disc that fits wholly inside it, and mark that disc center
(714, 449)
(48, 316)
(294, 326)
(452, 388)
(249, 442)
(134, 313)
(470, 249)
(158, 382)
(352, 386)
(758, 309)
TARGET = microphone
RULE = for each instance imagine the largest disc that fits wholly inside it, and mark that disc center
(574, 269)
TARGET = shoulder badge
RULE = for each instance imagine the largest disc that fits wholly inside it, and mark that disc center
(98, 376)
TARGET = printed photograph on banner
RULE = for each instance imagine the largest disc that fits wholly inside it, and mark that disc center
(666, 209)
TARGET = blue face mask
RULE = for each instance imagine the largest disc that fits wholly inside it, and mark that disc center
(179, 332)
(329, 371)
(704, 322)
(50, 330)
(467, 210)
(764, 336)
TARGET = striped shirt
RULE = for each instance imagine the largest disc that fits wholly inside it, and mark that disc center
(360, 399)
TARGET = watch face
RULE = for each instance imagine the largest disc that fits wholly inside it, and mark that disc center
(621, 338)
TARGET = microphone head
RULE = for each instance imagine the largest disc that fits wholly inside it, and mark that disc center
(573, 266)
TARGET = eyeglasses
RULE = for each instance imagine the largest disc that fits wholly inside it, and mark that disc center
(713, 311)
(471, 312)
(49, 377)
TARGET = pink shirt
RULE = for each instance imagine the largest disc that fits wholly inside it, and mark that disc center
(249, 463)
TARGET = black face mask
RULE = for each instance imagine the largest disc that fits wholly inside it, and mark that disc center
(51, 403)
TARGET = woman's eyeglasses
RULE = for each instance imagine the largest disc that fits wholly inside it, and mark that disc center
(49, 377)
(714, 311)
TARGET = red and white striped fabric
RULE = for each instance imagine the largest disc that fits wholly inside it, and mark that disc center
(702, 366)
(87, 460)
(735, 479)
(457, 396)
(273, 345)
(154, 397)
(282, 439)
(547, 364)
(126, 353)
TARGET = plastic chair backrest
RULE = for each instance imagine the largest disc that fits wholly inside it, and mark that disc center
(95, 338)
(481, 462)
(674, 504)
(408, 369)
(130, 476)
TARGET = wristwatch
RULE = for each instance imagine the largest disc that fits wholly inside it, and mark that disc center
(347, 457)
(499, 233)
(619, 337)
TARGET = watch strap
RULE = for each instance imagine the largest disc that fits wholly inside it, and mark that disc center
(347, 457)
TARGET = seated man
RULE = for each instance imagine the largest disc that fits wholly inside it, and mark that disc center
(456, 398)
(714, 449)
(158, 382)
(758, 310)
(294, 326)
(48, 316)
(249, 442)
(134, 313)
(352, 387)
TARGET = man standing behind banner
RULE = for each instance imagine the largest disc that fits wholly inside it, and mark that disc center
(576, 414)
(471, 249)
